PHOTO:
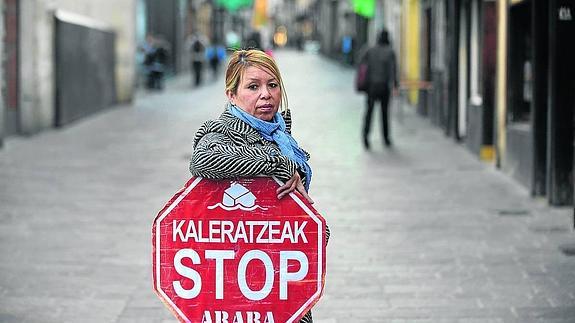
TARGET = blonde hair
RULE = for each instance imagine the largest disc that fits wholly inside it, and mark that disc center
(242, 59)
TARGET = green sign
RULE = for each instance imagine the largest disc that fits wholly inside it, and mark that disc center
(233, 5)
(364, 8)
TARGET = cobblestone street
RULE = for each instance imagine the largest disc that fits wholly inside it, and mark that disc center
(421, 232)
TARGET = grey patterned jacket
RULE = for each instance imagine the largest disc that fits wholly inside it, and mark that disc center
(228, 147)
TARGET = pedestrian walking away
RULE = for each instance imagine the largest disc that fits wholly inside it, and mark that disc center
(197, 52)
(381, 82)
(252, 137)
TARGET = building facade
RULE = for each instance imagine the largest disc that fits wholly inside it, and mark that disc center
(168, 21)
(33, 94)
(507, 88)
(536, 96)
(3, 94)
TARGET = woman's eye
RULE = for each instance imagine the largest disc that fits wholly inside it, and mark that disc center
(252, 87)
(273, 85)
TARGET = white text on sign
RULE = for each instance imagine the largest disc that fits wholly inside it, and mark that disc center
(237, 317)
(242, 231)
(219, 256)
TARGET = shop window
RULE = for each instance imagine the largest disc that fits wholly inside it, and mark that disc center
(520, 63)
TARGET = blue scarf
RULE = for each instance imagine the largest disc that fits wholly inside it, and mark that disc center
(275, 131)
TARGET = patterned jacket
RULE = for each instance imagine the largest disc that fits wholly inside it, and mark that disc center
(228, 147)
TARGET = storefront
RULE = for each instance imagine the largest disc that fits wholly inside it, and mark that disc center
(535, 143)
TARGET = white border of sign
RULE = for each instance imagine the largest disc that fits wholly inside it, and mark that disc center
(166, 212)
(320, 240)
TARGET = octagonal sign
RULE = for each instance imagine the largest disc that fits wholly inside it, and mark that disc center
(228, 251)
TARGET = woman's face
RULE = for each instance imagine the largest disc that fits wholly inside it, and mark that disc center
(258, 93)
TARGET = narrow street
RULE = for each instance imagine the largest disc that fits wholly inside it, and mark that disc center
(421, 232)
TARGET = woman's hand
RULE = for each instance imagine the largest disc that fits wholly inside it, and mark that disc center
(293, 184)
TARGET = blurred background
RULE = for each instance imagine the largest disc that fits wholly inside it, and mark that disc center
(468, 218)
(496, 75)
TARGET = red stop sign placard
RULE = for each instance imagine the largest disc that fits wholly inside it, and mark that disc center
(230, 251)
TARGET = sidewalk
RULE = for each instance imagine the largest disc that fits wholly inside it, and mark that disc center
(422, 232)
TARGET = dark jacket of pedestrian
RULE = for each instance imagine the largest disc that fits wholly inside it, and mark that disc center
(382, 67)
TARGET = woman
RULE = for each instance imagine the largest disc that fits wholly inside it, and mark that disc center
(251, 137)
